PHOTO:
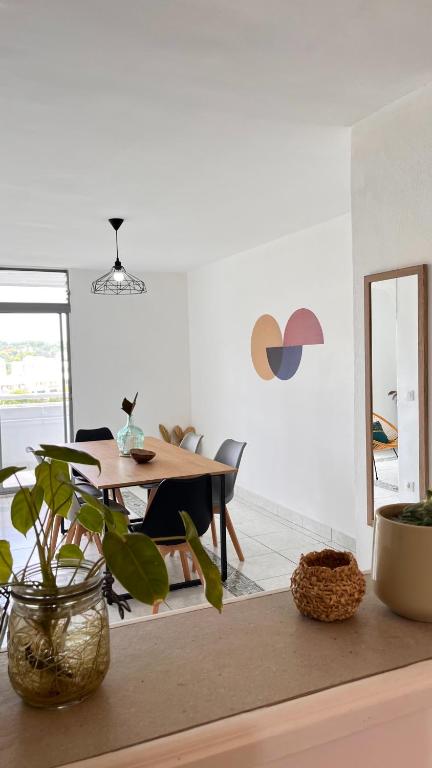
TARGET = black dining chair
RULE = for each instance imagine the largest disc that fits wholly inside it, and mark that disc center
(87, 435)
(100, 433)
(230, 452)
(163, 521)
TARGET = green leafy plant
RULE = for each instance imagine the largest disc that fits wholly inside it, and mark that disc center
(133, 558)
(418, 514)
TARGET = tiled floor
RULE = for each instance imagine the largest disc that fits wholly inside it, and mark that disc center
(271, 546)
(386, 491)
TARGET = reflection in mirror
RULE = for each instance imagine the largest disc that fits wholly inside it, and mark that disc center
(396, 387)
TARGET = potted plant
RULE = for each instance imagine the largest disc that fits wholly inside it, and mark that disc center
(402, 558)
(58, 638)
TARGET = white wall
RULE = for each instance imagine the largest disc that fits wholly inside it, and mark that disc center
(384, 354)
(392, 227)
(124, 344)
(299, 432)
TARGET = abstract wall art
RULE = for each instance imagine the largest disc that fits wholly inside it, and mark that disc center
(274, 355)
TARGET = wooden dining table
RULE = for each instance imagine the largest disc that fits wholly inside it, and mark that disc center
(169, 462)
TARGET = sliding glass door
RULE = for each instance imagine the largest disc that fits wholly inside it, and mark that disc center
(35, 384)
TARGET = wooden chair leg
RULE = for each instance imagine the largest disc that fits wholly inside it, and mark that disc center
(55, 533)
(233, 536)
(118, 496)
(79, 532)
(71, 533)
(97, 541)
(197, 567)
(213, 532)
(185, 565)
(48, 524)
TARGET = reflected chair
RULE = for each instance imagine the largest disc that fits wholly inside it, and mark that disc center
(163, 521)
(191, 442)
(230, 452)
(390, 443)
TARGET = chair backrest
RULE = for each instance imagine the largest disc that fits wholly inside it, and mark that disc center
(101, 433)
(191, 442)
(192, 495)
(230, 452)
(389, 429)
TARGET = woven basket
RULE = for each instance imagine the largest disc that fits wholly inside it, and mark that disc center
(328, 585)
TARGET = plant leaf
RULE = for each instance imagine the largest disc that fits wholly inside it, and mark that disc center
(37, 494)
(23, 512)
(115, 520)
(70, 455)
(53, 476)
(91, 518)
(7, 472)
(5, 561)
(70, 552)
(119, 522)
(97, 504)
(212, 577)
(138, 565)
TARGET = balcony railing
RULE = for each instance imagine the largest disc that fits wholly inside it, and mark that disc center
(25, 424)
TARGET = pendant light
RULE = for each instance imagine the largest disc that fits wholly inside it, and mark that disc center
(117, 280)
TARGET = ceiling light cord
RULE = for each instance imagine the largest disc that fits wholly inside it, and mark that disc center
(117, 264)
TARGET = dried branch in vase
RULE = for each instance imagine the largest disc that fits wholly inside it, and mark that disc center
(128, 406)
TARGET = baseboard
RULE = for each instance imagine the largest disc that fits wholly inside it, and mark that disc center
(313, 526)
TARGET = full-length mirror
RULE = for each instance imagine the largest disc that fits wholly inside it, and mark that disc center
(396, 386)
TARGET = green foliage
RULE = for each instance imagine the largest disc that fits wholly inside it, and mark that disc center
(7, 472)
(418, 514)
(5, 561)
(67, 454)
(133, 558)
(11, 351)
(213, 585)
(53, 477)
(70, 552)
(91, 518)
(23, 511)
(136, 562)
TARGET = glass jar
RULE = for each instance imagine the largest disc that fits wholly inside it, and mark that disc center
(58, 643)
(130, 436)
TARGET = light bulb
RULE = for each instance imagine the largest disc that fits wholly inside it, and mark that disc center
(118, 275)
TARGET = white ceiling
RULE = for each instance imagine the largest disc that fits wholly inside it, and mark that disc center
(210, 125)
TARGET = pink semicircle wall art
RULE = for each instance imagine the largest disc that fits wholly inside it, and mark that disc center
(273, 355)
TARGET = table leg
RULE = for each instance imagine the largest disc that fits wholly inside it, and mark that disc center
(110, 595)
(224, 568)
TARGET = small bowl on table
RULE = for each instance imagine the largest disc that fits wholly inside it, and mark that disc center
(141, 455)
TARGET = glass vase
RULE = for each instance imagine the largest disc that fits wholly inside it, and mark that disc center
(58, 640)
(130, 436)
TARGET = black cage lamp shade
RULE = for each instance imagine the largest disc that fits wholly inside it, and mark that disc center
(117, 280)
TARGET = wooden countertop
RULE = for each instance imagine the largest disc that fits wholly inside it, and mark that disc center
(179, 671)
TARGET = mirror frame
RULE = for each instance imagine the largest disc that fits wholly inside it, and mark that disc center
(421, 272)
